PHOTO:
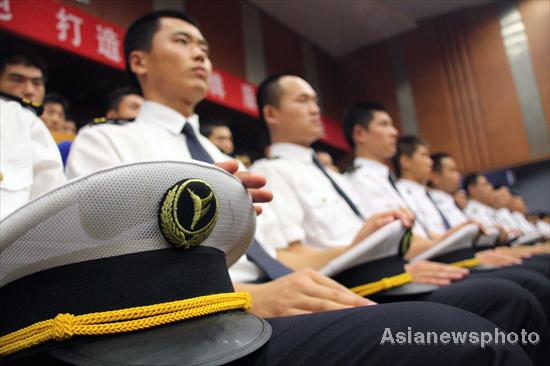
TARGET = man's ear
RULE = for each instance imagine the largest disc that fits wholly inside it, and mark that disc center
(138, 62)
(111, 114)
(404, 162)
(271, 114)
(358, 134)
(434, 177)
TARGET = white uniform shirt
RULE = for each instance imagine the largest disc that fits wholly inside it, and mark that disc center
(505, 217)
(308, 207)
(30, 162)
(481, 213)
(370, 179)
(156, 135)
(524, 224)
(544, 228)
(427, 215)
(446, 204)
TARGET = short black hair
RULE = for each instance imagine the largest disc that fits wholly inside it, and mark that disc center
(57, 98)
(470, 180)
(406, 145)
(359, 114)
(499, 186)
(207, 128)
(269, 93)
(116, 96)
(17, 56)
(140, 33)
(438, 160)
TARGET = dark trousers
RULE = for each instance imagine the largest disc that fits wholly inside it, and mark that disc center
(353, 337)
(531, 280)
(502, 302)
(539, 263)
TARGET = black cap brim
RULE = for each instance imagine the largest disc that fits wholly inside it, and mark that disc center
(211, 340)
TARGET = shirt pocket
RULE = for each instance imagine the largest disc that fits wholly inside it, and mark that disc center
(16, 178)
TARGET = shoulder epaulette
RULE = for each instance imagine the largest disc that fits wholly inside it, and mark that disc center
(36, 108)
(272, 158)
(108, 121)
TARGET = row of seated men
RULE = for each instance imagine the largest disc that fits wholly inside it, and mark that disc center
(314, 215)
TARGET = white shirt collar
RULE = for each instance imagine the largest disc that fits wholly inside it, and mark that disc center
(412, 185)
(440, 195)
(166, 117)
(292, 151)
(373, 167)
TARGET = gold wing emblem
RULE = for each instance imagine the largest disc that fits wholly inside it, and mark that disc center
(200, 206)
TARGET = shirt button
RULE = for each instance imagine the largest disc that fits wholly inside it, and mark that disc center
(1, 176)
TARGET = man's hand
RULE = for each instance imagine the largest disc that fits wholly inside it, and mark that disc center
(301, 292)
(495, 258)
(433, 273)
(379, 220)
(516, 252)
(252, 182)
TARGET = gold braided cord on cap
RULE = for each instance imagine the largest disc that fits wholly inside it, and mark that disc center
(65, 326)
(467, 263)
(383, 284)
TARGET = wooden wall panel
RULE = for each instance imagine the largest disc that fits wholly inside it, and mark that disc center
(221, 23)
(536, 17)
(494, 88)
(433, 88)
(331, 83)
(282, 49)
(120, 12)
(368, 76)
(464, 93)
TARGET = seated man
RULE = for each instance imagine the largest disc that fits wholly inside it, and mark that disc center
(519, 210)
(22, 75)
(55, 112)
(480, 195)
(124, 103)
(30, 163)
(168, 56)
(219, 133)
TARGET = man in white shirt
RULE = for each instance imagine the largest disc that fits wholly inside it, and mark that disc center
(499, 202)
(30, 162)
(22, 75)
(123, 103)
(480, 194)
(444, 183)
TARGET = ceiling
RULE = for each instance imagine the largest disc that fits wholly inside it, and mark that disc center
(342, 26)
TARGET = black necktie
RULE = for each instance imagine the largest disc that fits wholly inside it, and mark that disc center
(272, 267)
(194, 146)
(392, 180)
(337, 187)
(443, 218)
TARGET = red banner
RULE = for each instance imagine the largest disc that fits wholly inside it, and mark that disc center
(65, 27)
(69, 28)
